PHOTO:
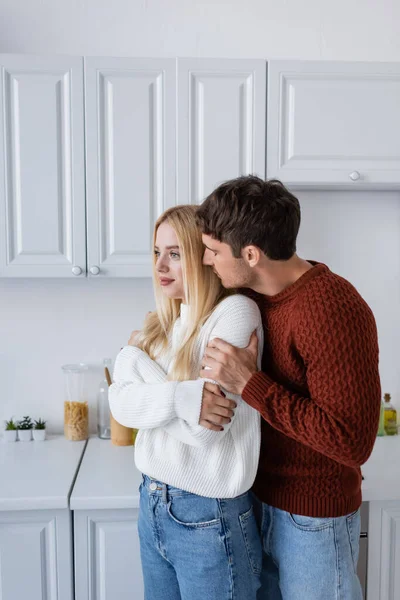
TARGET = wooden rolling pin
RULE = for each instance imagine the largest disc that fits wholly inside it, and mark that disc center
(120, 435)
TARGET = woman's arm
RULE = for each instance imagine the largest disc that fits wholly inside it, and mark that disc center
(141, 396)
(237, 319)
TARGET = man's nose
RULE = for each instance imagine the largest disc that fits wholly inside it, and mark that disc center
(207, 258)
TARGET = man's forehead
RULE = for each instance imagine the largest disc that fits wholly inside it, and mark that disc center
(211, 242)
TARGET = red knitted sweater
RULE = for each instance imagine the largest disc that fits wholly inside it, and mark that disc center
(318, 394)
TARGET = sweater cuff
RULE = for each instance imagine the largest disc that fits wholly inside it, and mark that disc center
(256, 388)
(188, 400)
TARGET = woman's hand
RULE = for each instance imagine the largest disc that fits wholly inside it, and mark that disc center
(216, 410)
(132, 339)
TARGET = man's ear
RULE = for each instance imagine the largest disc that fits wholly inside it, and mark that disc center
(252, 255)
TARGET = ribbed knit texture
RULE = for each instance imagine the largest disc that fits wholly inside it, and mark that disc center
(171, 446)
(318, 393)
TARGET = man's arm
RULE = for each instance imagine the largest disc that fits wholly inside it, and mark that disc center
(339, 418)
(216, 410)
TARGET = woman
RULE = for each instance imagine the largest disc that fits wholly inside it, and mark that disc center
(198, 534)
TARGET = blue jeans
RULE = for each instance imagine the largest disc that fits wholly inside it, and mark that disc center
(308, 558)
(195, 548)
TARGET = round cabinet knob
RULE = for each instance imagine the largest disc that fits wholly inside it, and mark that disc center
(76, 270)
(355, 176)
(94, 270)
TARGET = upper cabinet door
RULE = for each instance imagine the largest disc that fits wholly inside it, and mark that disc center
(221, 123)
(334, 123)
(42, 192)
(130, 158)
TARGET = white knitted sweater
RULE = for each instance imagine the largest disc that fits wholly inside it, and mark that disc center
(171, 446)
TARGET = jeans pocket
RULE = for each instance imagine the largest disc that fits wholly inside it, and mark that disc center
(353, 524)
(310, 523)
(252, 540)
(178, 514)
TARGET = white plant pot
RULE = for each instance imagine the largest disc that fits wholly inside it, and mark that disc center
(39, 435)
(10, 435)
(24, 435)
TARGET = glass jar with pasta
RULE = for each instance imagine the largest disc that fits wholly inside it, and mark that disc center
(76, 410)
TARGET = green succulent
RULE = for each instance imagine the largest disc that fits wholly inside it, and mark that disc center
(10, 425)
(40, 424)
(26, 423)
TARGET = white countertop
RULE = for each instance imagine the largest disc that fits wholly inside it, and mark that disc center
(38, 475)
(108, 477)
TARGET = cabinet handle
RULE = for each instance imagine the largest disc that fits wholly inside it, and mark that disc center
(76, 270)
(355, 176)
(94, 270)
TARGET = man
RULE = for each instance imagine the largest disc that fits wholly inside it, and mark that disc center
(318, 391)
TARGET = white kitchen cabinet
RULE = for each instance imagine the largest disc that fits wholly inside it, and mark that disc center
(384, 551)
(221, 123)
(42, 195)
(105, 504)
(36, 555)
(362, 565)
(36, 545)
(381, 488)
(334, 123)
(130, 160)
(107, 555)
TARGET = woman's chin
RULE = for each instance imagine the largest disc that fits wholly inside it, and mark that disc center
(172, 294)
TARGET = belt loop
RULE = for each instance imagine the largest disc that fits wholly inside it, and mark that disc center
(164, 493)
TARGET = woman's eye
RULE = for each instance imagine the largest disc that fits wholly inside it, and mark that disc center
(175, 255)
(156, 253)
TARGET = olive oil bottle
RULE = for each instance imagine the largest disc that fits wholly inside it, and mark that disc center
(381, 428)
(390, 417)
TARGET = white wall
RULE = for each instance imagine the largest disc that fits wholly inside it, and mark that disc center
(309, 29)
(46, 323)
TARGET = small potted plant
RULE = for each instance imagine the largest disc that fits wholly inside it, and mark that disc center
(10, 433)
(25, 429)
(39, 430)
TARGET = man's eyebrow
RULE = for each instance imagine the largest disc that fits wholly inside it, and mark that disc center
(208, 248)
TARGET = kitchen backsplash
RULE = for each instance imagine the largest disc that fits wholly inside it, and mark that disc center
(45, 323)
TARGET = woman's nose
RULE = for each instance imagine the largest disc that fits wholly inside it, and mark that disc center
(161, 265)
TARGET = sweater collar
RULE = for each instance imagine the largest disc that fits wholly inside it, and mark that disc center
(293, 289)
(184, 312)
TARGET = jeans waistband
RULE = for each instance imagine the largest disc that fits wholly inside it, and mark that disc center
(158, 488)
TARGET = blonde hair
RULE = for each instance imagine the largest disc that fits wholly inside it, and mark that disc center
(203, 291)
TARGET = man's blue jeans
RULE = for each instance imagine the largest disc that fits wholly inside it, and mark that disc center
(307, 558)
(196, 548)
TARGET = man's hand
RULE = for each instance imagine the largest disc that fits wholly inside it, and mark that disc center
(216, 410)
(231, 367)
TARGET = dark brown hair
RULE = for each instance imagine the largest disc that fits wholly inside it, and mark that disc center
(250, 211)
